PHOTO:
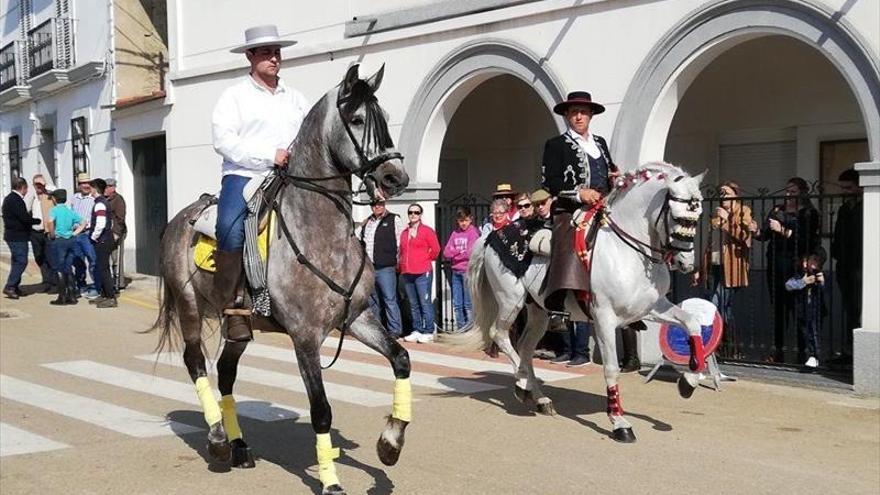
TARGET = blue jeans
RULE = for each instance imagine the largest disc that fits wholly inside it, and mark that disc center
(384, 296)
(461, 299)
(63, 253)
(85, 252)
(418, 292)
(19, 252)
(722, 297)
(575, 342)
(231, 212)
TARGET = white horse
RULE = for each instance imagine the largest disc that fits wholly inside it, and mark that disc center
(649, 228)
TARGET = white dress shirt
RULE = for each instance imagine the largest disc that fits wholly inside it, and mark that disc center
(587, 144)
(251, 122)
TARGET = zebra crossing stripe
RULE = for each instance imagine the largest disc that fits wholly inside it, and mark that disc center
(96, 412)
(451, 361)
(290, 382)
(458, 385)
(170, 389)
(15, 441)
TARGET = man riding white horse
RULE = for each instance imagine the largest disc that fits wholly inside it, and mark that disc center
(578, 171)
(253, 123)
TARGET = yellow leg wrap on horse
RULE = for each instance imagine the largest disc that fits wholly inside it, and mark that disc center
(230, 417)
(401, 407)
(326, 455)
(207, 400)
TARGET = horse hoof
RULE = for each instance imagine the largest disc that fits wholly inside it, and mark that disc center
(333, 490)
(220, 451)
(241, 455)
(624, 435)
(391, 440)
(546, 408)
(685, 389)
(523, 396)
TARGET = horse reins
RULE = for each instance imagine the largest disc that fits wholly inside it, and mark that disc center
(378, 138)
(667, 250)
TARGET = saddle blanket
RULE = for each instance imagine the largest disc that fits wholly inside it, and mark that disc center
(203, 252)
(586, 228)
(511, 243)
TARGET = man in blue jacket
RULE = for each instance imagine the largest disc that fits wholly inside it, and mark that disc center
(17, 225)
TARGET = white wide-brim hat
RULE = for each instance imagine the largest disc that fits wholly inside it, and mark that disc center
(261, 36)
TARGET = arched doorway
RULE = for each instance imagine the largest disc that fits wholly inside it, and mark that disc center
(763, 111)
(496, 135)
(681, 55)
(448, 85)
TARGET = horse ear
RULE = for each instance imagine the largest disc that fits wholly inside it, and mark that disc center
(699, 179)
(375, 80)
(351, 77)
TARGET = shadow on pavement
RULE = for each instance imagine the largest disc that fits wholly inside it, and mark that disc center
(289, 444)
(570, 404)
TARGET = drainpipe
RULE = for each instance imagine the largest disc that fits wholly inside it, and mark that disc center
(111, 41)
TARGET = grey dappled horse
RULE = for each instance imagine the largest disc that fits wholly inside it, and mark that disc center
(344, 134)
(649, 227)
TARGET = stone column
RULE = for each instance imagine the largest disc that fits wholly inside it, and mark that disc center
(866, 340)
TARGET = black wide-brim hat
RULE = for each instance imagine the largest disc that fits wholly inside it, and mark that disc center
(578, 98)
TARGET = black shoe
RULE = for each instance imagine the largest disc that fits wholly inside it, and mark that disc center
(562, 358)
(11, 293)
(110, 302)
(638, 325)
(630, 365)
(98, 300)
(578, 362)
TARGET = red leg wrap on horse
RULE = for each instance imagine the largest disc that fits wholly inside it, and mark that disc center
(615, 408)
(698, 357)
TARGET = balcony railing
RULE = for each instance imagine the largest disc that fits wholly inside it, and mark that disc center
(50, 46)
(11, 68)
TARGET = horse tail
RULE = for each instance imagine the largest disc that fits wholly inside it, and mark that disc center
(476, 335)
(166, 321)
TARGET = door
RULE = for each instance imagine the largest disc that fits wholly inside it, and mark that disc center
(151, 200)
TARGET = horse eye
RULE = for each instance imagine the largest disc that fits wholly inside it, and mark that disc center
(357, 121)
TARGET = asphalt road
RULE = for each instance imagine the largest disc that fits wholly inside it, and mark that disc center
(85, 408)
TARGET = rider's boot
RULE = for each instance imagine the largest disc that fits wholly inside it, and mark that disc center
(630, 362)
(227, 285)
(559, 317)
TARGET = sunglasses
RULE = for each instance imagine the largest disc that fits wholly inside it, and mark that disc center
(413, 212)
(523, 206)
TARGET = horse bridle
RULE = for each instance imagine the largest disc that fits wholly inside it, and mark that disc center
(667, 250)
(374, 131)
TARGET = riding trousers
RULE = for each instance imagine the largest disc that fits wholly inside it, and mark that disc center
(231, 212)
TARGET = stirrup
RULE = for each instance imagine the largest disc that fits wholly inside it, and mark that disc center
(558, 321)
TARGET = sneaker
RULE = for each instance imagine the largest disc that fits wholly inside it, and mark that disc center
(426, 338)
(91, 294)
(412, 337)
(562, 358)
(578, 362)
(107, 303)
(97, 300)
(812, 362)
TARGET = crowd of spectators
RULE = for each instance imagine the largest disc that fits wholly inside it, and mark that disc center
(76, 244)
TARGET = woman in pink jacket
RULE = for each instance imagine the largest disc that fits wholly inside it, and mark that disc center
(458, 253)
(419, 247)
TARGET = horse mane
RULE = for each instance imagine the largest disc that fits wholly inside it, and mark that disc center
(630, 180)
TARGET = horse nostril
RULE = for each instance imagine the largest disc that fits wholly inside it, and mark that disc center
(390, 180)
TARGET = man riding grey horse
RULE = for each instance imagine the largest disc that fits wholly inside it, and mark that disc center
(253, 123)
(578, 171)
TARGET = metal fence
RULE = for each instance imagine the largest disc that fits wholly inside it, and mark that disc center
(765, 327)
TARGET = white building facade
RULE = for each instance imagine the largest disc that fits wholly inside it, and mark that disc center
(55, 91)
(752, 90)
